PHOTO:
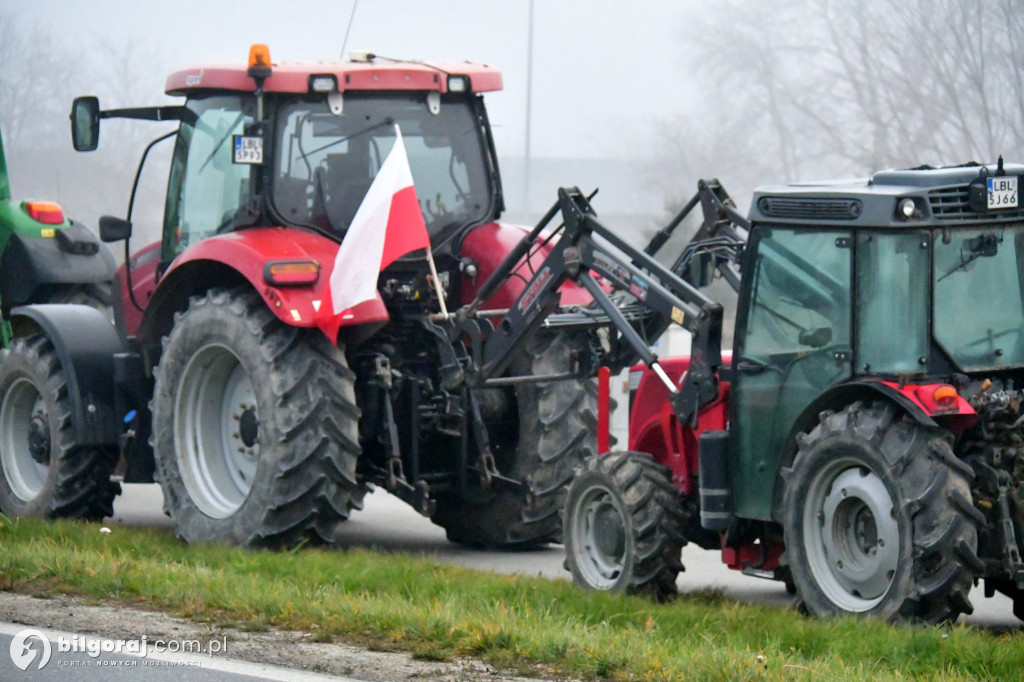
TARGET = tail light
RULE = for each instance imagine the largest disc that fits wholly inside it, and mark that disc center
(945, 396)
(45, 212)
(293, 273)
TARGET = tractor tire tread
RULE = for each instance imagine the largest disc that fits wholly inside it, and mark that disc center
(79, 485)
(646, 492)
(311, 484)
(930, 488)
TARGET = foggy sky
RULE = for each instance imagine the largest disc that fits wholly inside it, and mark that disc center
(603, 70)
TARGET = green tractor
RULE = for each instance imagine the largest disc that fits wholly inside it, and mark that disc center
(47, 258)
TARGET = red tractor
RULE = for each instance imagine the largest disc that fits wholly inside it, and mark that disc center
(864, 442)
(263, 420)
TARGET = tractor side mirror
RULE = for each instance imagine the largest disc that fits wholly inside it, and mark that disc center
(114, 229)
(85, 123)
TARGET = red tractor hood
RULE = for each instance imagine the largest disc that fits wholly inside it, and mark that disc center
(487, 245)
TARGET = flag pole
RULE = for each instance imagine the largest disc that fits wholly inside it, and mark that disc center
(437, 282)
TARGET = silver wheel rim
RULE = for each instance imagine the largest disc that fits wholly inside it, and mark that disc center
(24, 421)
(599, 538)
(851, 535)
(216, 428)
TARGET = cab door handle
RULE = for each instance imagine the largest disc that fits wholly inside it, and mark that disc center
(750, 366)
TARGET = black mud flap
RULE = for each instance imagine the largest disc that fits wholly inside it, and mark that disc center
(85, 342)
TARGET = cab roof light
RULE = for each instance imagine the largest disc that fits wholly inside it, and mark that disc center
(45, 212)
(291, 273)
(323, 83)
(259, 61)
(458, 83)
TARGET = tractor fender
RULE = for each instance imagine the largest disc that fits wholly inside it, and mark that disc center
(237, 258)
(840, 395)
(487, 245)
(85, 342)
(73, 256)
(654, 428)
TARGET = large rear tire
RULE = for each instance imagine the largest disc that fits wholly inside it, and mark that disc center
(557, 431)
(878, 519)
(44, 473)
(624, 526)
(255, 426)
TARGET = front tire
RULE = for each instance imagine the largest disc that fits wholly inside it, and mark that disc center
(44, 473)
(624, 526)
(255, 426)
(878, 519)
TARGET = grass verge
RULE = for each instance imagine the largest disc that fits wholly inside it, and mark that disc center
(396, 602)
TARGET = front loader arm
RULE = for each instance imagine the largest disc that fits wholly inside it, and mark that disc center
(718, 242)
(659, 297)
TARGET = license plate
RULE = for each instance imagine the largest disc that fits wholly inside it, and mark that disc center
(1002, 192)
(248, 149)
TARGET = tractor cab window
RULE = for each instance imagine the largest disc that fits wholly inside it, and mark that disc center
(800, 302)
(795, 343)
(206, 189)
(892, 301)
(979, 296)
(326, 161)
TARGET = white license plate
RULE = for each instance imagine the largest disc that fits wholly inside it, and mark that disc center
(248, 149)
(1002, 192)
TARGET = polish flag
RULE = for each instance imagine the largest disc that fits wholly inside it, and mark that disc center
(387, 225)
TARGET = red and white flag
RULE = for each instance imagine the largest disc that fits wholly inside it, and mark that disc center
(387, 225)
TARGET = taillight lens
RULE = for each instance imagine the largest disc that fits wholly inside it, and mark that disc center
(944, 396)
(45, 212)
(291, 273)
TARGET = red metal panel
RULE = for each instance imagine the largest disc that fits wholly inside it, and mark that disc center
(246, 251)
(143, 263)
(756, 555)
(653, 427)
(488, 245)
(604, 400)
(293, 77)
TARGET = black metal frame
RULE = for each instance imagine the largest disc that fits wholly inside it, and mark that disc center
(474, 353)
(660, 295)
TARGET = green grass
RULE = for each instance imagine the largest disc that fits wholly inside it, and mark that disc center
(396, 602)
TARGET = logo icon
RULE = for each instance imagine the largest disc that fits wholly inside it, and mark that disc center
(23, 654)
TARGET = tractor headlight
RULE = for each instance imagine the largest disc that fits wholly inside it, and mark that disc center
(458, 83)
(909, 208)
(322, 83)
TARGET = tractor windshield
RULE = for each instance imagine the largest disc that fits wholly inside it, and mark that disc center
(326, 161)
(979, 296)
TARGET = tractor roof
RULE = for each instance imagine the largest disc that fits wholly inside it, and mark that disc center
(942, 196)
(369, 74)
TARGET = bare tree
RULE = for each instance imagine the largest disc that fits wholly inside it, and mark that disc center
(39, 77)
(35, 78)
(800, 88)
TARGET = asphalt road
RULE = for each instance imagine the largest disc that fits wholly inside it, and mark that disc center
(389, 524)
